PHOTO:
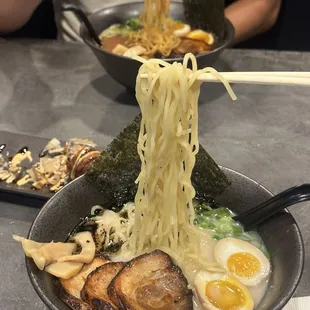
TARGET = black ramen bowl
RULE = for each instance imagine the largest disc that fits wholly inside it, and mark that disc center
(280, 234)
(123, 69)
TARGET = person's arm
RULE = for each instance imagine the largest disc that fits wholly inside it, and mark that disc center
(251, 17)
(15, 13)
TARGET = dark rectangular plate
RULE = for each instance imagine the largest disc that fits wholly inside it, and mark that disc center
(23, 194)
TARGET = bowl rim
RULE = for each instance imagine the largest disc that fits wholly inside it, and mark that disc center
(229, 29)
(49, 303)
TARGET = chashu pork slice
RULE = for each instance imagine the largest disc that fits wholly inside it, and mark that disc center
(71, 288)
(151, 281)
(94, 291)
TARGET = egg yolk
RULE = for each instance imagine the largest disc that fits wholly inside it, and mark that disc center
(224, 295)
(243, 264)
(177, 26)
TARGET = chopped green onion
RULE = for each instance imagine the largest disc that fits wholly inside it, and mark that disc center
(133, 24)
(220, 222)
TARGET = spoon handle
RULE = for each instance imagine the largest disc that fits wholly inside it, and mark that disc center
(81, 15)
(265, 210)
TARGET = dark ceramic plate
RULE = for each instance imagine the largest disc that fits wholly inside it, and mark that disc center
(23, 195)
(123, 69)
(280, 234)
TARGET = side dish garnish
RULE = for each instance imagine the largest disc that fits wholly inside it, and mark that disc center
(57, 164)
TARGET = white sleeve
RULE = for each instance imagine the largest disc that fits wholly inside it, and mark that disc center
(70, 26)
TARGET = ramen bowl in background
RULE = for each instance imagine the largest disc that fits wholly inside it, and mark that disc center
(123, 69)
(280, 234)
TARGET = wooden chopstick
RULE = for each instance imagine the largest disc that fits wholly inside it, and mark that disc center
(272, 73)
(264, 78)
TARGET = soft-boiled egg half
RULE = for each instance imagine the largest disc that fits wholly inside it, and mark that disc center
(217, 291)
(201, 35)
(181, 30)
(242, 260)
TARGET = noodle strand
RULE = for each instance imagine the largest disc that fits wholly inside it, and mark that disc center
(167, 146)
(156, 36)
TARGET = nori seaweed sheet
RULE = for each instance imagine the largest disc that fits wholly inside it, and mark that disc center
(114, 172)
(206, 15)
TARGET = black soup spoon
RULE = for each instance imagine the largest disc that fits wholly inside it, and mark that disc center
(250, 219)
(81, 15)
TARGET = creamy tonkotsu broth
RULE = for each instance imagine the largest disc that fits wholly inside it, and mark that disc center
(258, 292)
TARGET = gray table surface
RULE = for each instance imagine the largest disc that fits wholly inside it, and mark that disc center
(48, 89)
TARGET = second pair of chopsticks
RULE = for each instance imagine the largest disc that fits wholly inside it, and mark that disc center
(265, 78)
